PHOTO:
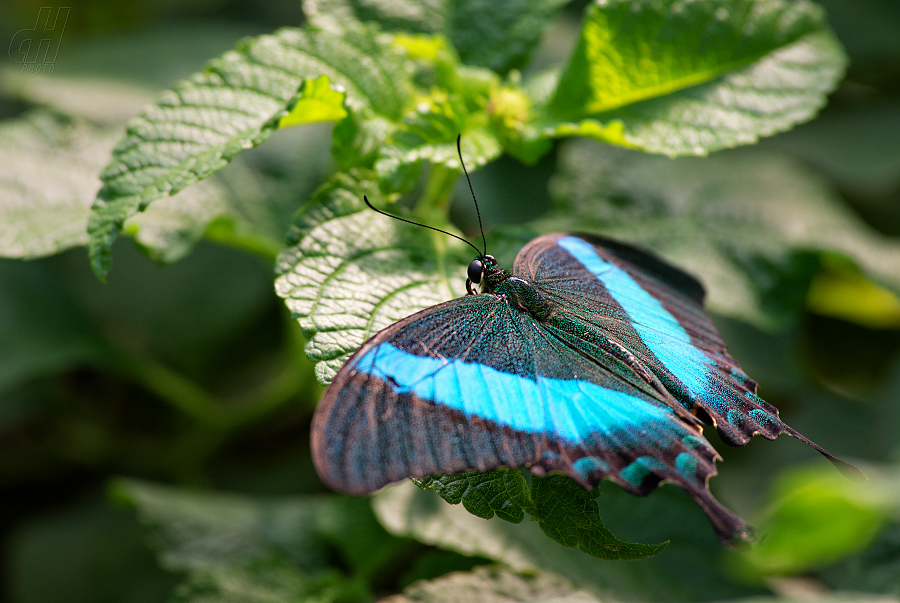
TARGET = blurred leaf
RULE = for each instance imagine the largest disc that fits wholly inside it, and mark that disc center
(874, 570)
(686, 78)
(817, 516)
(221, 293)
(47, 183)
(196, 128)
(104, 102)
(751, 225)
(93, 552)
(270, 581)
(843, 292)
(857, 147)
(110, 78)
(495, 585)
(341, 279)
(317, 101)
(48, 167)
(497, 35)
(262, 549)
(43, 329)
(151, 57)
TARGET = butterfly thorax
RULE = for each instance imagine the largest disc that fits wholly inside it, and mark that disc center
(518, 293)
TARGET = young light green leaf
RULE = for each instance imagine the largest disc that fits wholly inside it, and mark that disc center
(317, 101)
(501, 492)
(750, 224)
(497, 35)
(686, 78)
(350, 272)
(495, 585)
(237, 102)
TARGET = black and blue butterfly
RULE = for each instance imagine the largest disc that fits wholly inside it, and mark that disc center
(591, 358)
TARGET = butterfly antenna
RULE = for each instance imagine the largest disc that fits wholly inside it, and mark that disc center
(384, 213)
(472, 190)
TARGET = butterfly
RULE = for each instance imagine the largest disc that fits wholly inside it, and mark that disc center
(591, 358)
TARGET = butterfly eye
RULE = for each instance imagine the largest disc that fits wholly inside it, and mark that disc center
(476, 270)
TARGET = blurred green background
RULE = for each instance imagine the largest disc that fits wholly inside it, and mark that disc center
(99, 382)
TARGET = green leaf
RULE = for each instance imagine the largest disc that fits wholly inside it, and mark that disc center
(317, 101)
(405, 510)
(569, 514)
(47, 183)
(495, 585)
(497, 35)
(270, 581)
(235, 103)
(686, 78)
(565, 511)
(43, 328)
(752, 225)
(263, 547)
(816, 516)
(48, 167)
(350, 273)
(500, 35)
(430, 134)
(501, 492)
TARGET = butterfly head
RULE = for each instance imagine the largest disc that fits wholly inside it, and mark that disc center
(479, 270)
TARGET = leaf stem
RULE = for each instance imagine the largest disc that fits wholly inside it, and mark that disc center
(195, 402)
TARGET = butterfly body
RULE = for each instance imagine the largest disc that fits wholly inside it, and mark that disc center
(590, 358)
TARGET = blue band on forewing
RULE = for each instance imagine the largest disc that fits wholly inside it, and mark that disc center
(659, 330)
(569, 409)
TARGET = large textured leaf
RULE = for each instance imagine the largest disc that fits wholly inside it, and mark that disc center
(686, 78)
(498, 35)
(350, 272)
(235, 103)
(751, 225)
